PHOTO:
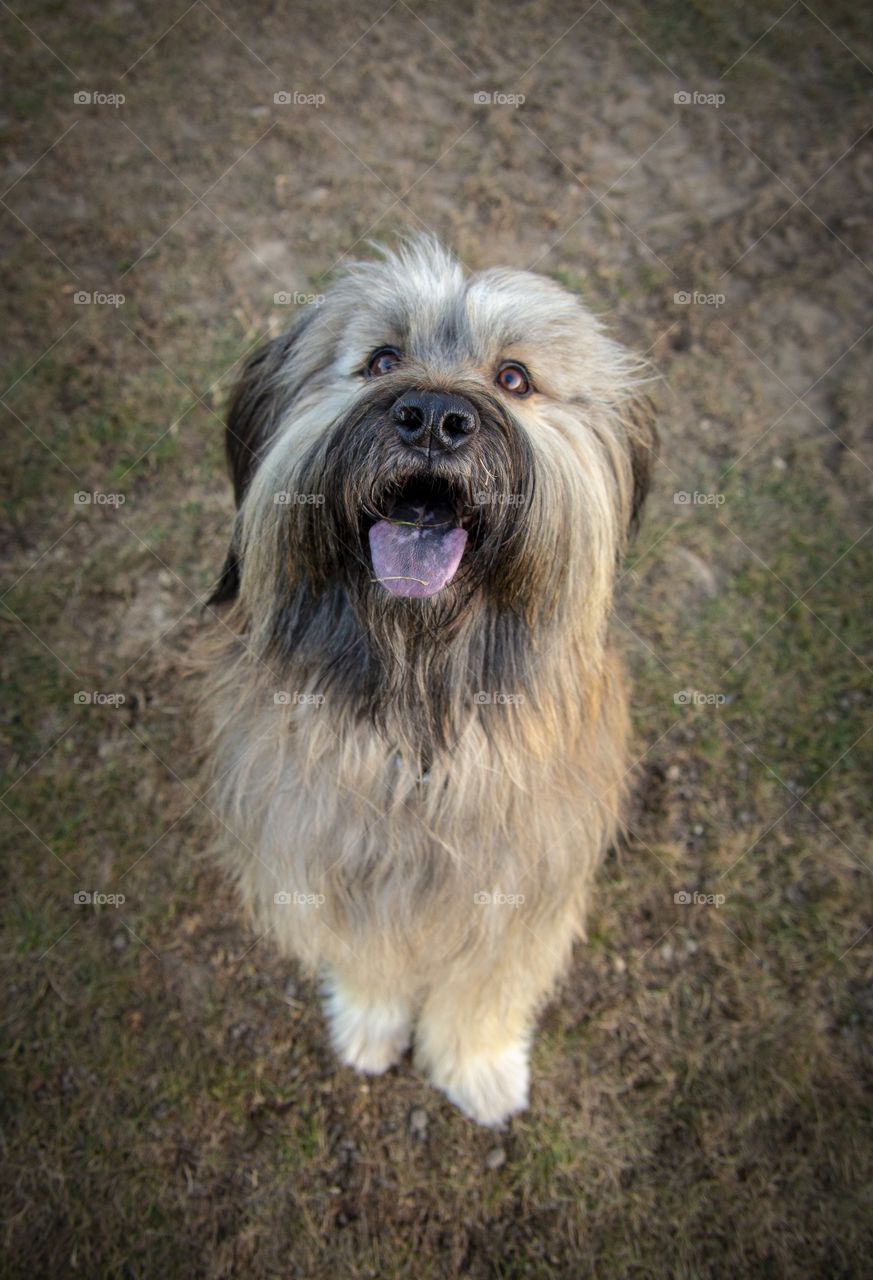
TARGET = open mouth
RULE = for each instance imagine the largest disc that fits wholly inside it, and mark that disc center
(417, 546)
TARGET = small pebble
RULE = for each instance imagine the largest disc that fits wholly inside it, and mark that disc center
(418, 1122)
(495, 1159)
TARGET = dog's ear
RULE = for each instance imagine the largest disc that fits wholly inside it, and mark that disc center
(642, 438)
(263, 393)
(265, 389)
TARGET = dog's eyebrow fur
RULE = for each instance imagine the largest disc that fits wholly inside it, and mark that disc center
(452, 333)
(419, 296)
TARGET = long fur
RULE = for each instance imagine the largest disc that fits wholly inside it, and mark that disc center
(382, 763)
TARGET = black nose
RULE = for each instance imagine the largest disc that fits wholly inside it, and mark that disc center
(434, 419)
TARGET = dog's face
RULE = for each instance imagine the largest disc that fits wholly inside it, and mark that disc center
(427, 456)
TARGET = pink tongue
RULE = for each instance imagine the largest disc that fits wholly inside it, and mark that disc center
(412, 560)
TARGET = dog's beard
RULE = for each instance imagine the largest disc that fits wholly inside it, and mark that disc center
(412, 580)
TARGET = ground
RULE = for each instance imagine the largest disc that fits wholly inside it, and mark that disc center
(702, 1084)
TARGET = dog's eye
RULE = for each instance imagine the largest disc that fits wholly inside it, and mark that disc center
(514, 379)
(382, 361)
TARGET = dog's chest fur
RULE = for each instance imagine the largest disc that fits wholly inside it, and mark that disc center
(363, 844)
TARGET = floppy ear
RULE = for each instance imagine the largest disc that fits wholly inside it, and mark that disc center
(263, 393)
(642, 438)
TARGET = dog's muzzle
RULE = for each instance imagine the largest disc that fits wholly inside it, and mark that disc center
(417, 547)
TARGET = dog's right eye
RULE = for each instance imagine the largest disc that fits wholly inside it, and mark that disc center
(382, 361)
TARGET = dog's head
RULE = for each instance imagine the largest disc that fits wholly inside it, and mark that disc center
(427, 451)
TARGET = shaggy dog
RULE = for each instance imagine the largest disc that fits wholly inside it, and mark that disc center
(417, 726)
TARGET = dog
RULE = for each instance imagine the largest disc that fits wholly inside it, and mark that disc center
(416, 724)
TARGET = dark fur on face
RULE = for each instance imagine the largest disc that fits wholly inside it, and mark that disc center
(335, 621)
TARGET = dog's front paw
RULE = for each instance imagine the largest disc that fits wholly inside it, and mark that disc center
(488, 1087)
(368, 1036)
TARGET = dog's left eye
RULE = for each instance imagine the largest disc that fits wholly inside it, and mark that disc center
(382, 361)
(514, 379)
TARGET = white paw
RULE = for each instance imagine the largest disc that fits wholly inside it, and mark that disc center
(489, 1088)
(369, 1037)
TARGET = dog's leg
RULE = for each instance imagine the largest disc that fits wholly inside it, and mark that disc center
(369, 1031)
(475, 1028)
(473, 1042)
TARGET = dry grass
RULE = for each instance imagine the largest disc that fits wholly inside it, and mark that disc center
(702, 1087)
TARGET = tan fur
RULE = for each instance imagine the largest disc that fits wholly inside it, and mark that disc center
(384, 869)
